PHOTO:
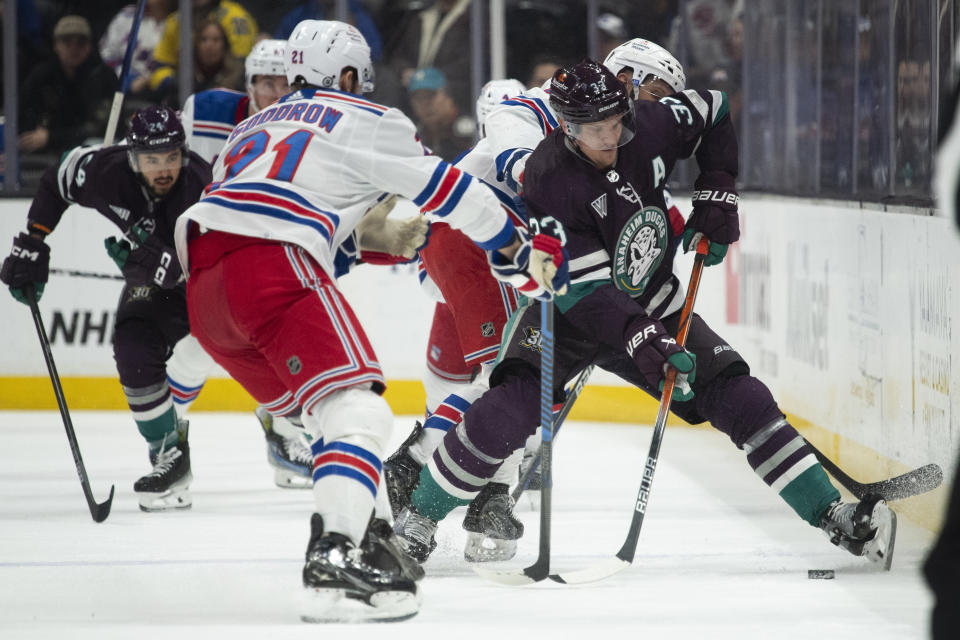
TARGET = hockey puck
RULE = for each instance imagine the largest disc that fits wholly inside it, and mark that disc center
(820, 574)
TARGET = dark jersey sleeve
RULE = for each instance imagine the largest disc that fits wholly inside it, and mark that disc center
(62, 186)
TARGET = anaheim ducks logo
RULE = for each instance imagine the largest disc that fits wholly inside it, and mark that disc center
(640, 250)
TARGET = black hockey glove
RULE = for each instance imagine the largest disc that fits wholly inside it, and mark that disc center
(144, 259)
(653, 349)
(28, 263)
(714, 216)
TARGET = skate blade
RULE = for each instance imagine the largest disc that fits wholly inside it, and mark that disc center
(167, 501)
(286, 479)
(881, 550)
(480, 548)
(333, 605)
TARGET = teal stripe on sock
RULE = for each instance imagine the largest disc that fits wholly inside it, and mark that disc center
(154, 430)
(430, 500)
(810, 493)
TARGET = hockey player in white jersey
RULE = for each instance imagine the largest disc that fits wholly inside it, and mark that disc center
(292, 183)
(208, 118)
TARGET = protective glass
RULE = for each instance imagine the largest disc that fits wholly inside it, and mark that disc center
(603, 135)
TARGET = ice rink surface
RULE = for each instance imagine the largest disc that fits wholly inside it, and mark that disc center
(720, 556)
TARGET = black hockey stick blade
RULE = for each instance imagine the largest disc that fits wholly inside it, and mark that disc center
(913, 483)
(98, 511)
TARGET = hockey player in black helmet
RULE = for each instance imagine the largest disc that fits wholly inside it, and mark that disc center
(141, 186)
(596, 183)
(157, 148)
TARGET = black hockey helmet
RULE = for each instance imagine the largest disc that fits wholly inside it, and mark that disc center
(589, 93)
(156, 128)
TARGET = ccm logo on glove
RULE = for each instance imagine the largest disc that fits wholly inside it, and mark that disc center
(24, 253)
(709, 195)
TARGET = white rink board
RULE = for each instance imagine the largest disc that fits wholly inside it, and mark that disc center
(847, 314)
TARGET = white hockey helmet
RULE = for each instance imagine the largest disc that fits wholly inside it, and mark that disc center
(267, 58)
(319, 50)
(648, 60)
(492, 94)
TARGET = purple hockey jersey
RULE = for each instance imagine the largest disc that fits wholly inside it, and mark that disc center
(614, 222)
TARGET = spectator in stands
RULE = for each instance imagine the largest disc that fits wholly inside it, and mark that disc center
(611, 32)
(442, 129)
(214, 65)
(113, 44)
(237, 23)
(542, 69)
(357, 15)
(437, 36)
(65, 101)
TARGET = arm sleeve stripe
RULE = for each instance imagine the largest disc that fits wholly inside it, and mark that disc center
(720, 105)
(700, 105)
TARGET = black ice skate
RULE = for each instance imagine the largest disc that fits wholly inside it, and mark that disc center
(166, 487)
(867, 528)
(401, 473)
(416, 533)
(493, 529)
(344, 583)
(289, 455)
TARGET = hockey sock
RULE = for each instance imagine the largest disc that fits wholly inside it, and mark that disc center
(448, 414)
(153, 412)
(784, 460)
(431, 500)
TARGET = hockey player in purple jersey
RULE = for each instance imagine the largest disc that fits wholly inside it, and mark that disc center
(596, 183)
(142, 187)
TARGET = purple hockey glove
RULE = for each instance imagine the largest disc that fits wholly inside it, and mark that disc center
(714, 216)
(28, 263)
(653, 349)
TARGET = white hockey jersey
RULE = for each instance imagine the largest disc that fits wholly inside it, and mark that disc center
(306, 169)
(208, 117)
(515, 128)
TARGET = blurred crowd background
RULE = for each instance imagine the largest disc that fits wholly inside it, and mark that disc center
(831, 98)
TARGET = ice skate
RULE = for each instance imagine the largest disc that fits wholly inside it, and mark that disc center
(166, 487)
(493, 529)
(402, 474)
(867, 528)
(288, 454)
(345, 583)
(416, 534)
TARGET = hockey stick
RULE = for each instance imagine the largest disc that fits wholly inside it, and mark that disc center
(920, 480)
(527, 473)
(540, 569)
(624, 557)
(100, 511)
(124, 76)
(85, 274)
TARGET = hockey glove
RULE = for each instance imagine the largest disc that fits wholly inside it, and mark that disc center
(539, 269)
(28, 263)
(714, 216)
(653, 349)
(149, 263)
(400, 238)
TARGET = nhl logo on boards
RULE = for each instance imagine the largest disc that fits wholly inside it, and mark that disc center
(487, 329)
(600, 205)
(613, 176)
(294, 365)
(531, 338)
